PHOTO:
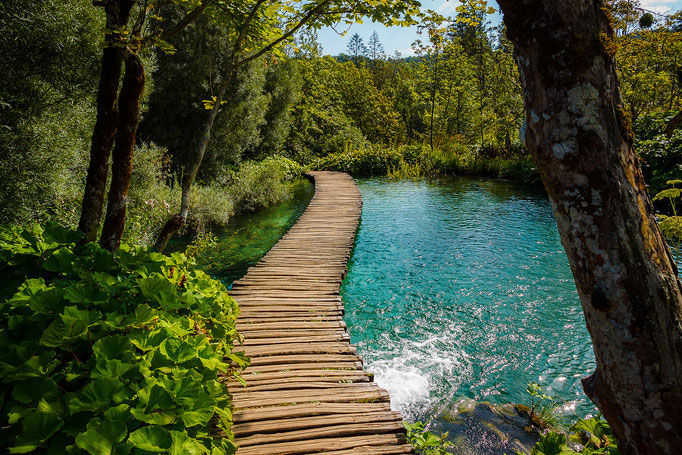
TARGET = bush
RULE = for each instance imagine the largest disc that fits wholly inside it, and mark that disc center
(587, 436)
(110, 352)
(260, 185)
(661, 155)
(373, 161)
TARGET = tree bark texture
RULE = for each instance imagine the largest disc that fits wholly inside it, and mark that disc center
(122, 163)
(117, 15)
(673, 124)
(627, 281)
(176, 223)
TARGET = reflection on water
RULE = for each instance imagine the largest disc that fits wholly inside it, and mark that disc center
(460, 288)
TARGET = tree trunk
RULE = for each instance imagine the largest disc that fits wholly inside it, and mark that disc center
(122, 168)
(117, 14)
(627, 281)
(673, 124)
(176, 223)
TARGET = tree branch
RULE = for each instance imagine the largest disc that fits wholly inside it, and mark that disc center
(188, 19)
(242, 32)
(305, 19)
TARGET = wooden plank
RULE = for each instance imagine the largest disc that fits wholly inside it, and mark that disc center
(331, 431)
(278, 425)
(373, 450)
(271, 398)
(323, 444)
(304, 410)
(306, 389)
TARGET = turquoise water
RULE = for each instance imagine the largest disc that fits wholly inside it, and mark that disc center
(244, 241)
(461, 288)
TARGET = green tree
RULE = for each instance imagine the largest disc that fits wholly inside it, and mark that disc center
(126, 36)
(48, 72)
(357, 49)
(260, 28)
(375, 50)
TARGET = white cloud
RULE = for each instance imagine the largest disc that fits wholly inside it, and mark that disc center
(409, 52)
(657, 6)
(448, 7)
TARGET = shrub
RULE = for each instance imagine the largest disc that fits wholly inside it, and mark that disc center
(661, 155)
(374, 161)
(587, 436)
(260, 185)
(109, 352)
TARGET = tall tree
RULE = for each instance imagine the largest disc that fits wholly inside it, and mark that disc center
(627, 281)
(258, 28)
(118, 110)
(374, 47)
(356, 48)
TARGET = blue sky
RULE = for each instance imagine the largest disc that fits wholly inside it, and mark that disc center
(401, 38)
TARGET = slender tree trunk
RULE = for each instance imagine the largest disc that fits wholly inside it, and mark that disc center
(625, 276)
(174, 224)
(122, 168)
(673, 124)
(117, 14)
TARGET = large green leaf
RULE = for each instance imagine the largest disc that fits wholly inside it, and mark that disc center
(54, 233)
(146, 340)
(552, 444)
(153, 285)
(60, 261)
(177, 350)
(158, 406)
(201, 411)
(114, 347)
(102, 437)
(98, 394)
(111, 368)
(34, 389)
(184, 445)
(152, 438)
(39, 426)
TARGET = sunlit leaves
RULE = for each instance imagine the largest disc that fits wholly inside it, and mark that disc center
(104, 351)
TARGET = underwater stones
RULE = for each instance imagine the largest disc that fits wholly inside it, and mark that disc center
(483, 428)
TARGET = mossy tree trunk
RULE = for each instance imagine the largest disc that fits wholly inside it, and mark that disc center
(627, 281)
(117, 16)
(122, 165)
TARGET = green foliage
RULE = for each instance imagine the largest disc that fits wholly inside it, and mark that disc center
(591, 436)
(111, 352)
(425, 442)
(361, 162)
(671, 226)
(339, 108)
(544, 409)
(48, 78)
(661, 155)
(416, 161)
(259, 185)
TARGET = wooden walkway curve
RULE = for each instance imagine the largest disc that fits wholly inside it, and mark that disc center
(307, 391)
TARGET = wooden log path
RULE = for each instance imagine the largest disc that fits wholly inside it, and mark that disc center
(306, 389)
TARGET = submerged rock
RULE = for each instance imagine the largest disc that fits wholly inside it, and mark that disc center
(486, 429)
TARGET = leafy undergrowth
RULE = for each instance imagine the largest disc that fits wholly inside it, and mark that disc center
(426, 442)
(587, 436)
(111, 353)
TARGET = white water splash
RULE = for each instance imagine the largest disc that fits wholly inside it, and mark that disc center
(419, 375)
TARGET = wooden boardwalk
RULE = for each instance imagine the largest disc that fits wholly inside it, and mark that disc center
(307, 391)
